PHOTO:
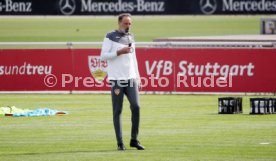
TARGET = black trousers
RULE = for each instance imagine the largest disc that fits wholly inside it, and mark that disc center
(119, 88)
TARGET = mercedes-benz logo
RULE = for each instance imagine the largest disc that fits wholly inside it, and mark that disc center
(67, 7)
(208, 7)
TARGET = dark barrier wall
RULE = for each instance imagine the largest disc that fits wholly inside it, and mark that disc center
(137, 7)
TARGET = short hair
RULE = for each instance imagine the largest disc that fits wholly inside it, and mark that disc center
(122, 15)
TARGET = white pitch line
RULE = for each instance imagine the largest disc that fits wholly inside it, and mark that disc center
(264, 143)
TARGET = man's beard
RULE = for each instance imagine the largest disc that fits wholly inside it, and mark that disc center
(125, 31)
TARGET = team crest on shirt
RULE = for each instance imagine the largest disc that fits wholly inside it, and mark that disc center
(98, 68)
(117, 91)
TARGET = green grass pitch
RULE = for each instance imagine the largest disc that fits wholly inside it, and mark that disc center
(173, 127)
(145, 28)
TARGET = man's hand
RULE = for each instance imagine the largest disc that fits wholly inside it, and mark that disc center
(139, 84)
(140, 87)
(124, 50)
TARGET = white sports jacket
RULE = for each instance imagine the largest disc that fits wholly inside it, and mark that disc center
(121, 67)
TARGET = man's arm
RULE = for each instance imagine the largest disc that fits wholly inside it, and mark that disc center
(136, 66)
(137, 70)
(106, 53)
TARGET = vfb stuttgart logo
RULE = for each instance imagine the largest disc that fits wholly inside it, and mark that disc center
(98, 68)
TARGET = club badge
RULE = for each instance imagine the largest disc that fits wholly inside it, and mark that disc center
(117, 91)
(98, 68)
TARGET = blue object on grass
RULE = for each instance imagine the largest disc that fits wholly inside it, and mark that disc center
(39, 112)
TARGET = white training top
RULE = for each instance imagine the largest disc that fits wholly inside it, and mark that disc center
(121, 67)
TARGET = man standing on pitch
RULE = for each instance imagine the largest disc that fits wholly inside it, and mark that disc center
(119, 50)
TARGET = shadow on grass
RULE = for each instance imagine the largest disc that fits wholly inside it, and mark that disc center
(227, 114)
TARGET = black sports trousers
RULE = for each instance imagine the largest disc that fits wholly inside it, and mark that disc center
(119, 88)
